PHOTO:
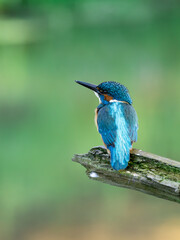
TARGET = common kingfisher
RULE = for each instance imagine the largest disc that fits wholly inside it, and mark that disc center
(116, 120)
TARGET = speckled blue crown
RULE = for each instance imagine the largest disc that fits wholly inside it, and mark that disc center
(116, 90)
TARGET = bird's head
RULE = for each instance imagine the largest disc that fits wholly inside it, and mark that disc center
(109, 91)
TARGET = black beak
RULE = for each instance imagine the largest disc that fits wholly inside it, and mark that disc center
(88, 85)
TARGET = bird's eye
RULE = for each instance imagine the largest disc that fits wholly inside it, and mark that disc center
(102, 91)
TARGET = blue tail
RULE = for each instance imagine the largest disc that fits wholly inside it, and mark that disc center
(120, 155)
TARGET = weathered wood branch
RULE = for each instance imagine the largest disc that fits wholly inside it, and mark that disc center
(146, 172)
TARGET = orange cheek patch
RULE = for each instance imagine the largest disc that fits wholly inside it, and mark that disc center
(107, 97)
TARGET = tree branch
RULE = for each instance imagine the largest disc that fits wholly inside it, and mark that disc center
(146, 172)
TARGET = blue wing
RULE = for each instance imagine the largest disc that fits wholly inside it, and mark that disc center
(106, 125)
(114, 125)
(131, 121)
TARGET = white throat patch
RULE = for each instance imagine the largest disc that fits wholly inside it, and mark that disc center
(113, 100)
(97, 96)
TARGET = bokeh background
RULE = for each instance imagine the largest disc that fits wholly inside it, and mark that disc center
(45, 117)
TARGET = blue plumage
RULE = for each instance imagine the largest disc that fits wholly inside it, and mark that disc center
(116, 121)
(118, 131)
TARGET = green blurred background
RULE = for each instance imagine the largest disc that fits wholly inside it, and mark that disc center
(45, 117)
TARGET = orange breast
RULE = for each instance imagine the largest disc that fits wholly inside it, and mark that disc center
(95, 119)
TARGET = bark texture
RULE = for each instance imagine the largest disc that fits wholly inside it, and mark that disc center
(146, 172)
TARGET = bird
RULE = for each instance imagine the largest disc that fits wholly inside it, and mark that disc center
(116, 120)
